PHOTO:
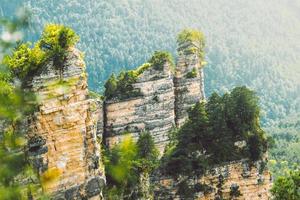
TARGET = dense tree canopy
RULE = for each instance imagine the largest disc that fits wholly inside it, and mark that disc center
(287, 187)
(226, 128)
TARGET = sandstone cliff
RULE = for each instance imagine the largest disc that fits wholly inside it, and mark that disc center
(163, 102)
(189, 80)
(152, 111)
(241, 180)
(63, 131)
(66, 131)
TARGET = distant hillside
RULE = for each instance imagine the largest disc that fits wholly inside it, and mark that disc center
(254, 43)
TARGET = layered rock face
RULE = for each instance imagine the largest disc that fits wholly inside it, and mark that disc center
(189, 80)
(163, 103)
(235, 180)
(65, 132)
(152, 111)
(63, 135)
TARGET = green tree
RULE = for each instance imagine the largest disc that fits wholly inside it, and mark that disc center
(147, 153)
(287, 187)
(242, 110)
(56, 40)
(222, 147)
(128, 167)
(160, 58)
(196, 38)
(187, 157)
(24, 60)
(53, 45)
(147, 161)
(212, 132)
(110, 86)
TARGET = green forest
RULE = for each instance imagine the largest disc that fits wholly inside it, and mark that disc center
(253, 44)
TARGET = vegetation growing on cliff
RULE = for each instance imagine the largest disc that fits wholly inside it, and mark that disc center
(223, 129)
(194, 37)
(226, 128)
(121, 87)
(55, 41)
(160, 58)
(26, 60)
(128, 166)
(192, 74)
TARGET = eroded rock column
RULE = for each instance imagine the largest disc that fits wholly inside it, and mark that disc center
(152, 111)
(63, 137)
(188, 81)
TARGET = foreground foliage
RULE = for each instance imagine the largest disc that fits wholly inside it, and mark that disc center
(128, 166)
(15, 103)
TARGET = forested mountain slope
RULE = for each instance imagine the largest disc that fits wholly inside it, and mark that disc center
(254, 43)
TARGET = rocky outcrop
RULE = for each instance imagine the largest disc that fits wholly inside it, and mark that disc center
(63, 139)
(163, 103)
(188, 82)
(152, 111)
(235, 180)
(66, 130)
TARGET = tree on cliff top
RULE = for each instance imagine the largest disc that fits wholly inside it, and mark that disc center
(122, 86)
(56, 39)
(225, 128)
(191, 35)
(159, 59)
(53, 44)
(213, 131)
(196, 38)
